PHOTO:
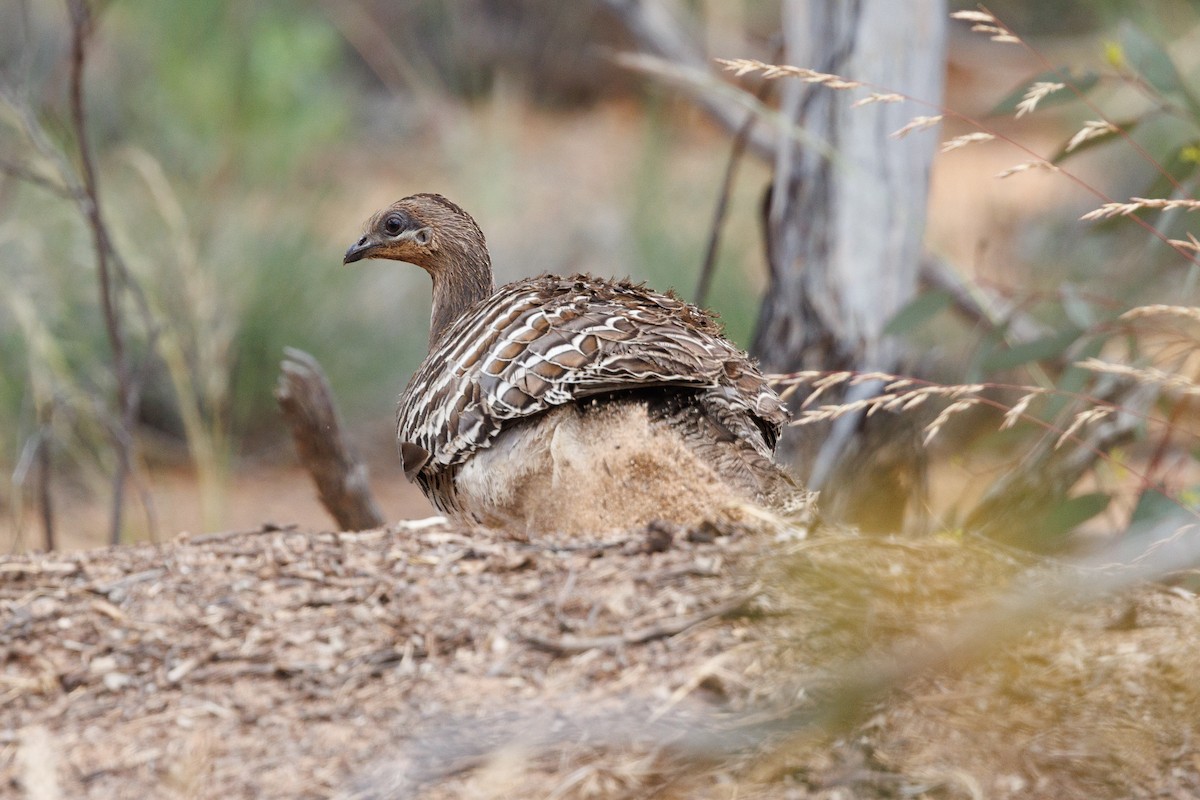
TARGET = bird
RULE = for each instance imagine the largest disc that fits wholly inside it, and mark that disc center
(570, 403)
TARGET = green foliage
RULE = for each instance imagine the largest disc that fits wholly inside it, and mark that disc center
(1136, 106)
(919, 310)
(1071, 513)
(1052, 346)
(247, 87)
(209, 125)
(1152, 507)
(1137, 51)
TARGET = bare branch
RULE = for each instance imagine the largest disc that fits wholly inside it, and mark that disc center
(82, 27)
(740, 140)
(341, 477)
(657, 34)
(979, 304)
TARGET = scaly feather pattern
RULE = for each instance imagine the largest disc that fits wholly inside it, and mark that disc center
(501, 361)
(548, 341)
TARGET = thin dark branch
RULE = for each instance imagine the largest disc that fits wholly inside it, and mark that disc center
(704, 284)
(45, 498)
(978, 304)
(737, 150)
(658, 34)
(80, 185)
(82, 26)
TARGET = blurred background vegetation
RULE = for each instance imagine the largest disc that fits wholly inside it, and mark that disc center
(239, 147)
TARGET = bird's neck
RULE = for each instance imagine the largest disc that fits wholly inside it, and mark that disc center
(463, 279)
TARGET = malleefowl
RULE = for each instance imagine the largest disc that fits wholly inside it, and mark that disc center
(570, 403)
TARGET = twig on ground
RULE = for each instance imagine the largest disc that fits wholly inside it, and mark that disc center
(570, 645)
(220, 536)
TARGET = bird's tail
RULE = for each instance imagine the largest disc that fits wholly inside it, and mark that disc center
(728, 439)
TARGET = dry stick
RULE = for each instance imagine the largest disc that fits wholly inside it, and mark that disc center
(341, 477)
(656, 32)
(719, 213)
(81, 29)
(572, 645)
(45, 502)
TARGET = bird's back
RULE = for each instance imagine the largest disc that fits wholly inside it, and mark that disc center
(551, 342)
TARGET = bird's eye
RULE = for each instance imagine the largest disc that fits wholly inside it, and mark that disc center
(392, 225)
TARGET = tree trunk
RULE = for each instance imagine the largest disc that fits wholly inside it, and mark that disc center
(844, 222)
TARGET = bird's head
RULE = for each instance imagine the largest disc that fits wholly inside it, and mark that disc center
(440, 238)
(425, 229)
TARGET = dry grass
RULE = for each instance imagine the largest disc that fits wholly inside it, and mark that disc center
(1147, 376)
(983, 21)
(905, 395)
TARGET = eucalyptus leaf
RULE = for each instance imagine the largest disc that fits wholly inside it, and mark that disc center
(1047, 347)
(1152, 506)
(1180, 166)
(1147, 58)
(1126, 126)
(1073, 512)
(1078, 308)
(917, 312)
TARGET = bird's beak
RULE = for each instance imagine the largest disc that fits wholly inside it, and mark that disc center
(359, 250)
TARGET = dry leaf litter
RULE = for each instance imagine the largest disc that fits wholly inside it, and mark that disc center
(734, 660)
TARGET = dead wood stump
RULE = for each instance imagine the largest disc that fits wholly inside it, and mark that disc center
(341, 477)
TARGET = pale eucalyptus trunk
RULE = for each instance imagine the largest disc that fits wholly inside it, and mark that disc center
(844, 223)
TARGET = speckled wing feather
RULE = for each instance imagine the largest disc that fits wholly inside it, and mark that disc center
(548, 341)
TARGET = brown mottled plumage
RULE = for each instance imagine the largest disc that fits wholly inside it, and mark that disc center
(539, 387)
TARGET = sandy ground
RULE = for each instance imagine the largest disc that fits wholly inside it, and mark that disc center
(276, 494)
(747, 662)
